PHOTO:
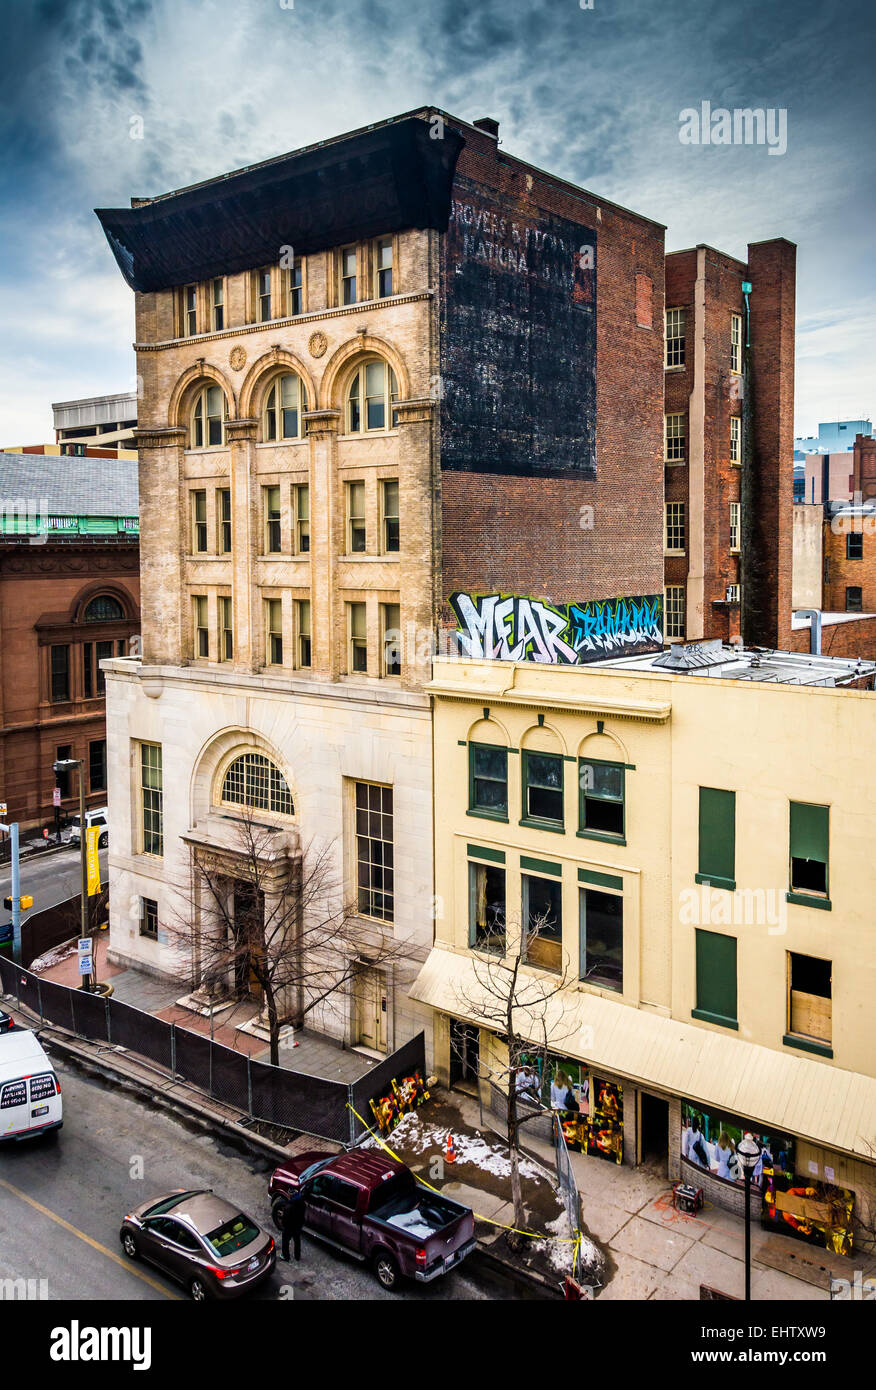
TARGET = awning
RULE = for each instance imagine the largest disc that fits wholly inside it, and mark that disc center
(788, 1094)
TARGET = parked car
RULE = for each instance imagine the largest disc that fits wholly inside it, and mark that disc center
(98, 816)
(375, 1209)
(7, 1022)
(205, 1243)
(30, 1092)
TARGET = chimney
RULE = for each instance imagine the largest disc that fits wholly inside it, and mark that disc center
(488, 126)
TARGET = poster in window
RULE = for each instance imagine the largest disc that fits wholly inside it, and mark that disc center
(606, 1127)
(710, 1139)
(815, 1212)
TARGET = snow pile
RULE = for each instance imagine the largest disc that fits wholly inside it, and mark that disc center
(52, 957)
(417, 1137)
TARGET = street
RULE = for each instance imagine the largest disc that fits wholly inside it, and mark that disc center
(61, 1205)
(51, 879)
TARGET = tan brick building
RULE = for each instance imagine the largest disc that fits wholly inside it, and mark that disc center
(389, 382)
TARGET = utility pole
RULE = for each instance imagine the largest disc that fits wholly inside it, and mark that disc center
(65, 765)
(12, 831)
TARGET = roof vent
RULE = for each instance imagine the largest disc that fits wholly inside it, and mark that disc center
(488, 126)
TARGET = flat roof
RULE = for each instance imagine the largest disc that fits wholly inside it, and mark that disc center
(716, 658)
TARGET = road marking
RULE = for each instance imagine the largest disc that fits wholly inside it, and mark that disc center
(95, 1244)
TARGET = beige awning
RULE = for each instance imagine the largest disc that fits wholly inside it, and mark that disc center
(788, 1094)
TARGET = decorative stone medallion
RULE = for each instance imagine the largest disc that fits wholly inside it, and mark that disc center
(317, 344)
(237, 358)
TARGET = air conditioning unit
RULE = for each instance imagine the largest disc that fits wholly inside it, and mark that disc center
(732, 595)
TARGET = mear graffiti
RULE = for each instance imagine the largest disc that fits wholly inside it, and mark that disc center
(510, 627)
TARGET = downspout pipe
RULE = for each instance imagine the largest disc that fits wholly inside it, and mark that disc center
(814, 616)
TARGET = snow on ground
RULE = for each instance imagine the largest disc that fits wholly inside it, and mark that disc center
(560, 1252)
(416, 1136)
(52, 957)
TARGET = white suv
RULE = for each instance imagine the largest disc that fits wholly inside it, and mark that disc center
(99, 816)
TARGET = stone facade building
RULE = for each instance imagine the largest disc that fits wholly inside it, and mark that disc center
(392, 385)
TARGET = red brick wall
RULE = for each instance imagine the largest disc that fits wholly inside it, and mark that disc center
(853, 639)
(840, 572)
(524, 535)
(864, 467)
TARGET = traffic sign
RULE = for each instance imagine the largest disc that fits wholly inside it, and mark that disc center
(3, 808)
(85, 966)
(56, 796)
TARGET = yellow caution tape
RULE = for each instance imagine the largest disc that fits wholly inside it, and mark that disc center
(537, 1235)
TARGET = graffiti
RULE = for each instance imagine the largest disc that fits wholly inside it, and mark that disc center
(509, 627)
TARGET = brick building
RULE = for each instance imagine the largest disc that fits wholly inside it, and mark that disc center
(393, 383)
(728, 443)
(69, 598)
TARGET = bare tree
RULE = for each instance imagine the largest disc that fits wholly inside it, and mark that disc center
(525, 1008)
(255, 914)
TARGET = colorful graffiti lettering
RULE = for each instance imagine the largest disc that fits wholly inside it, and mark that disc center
(509, 627)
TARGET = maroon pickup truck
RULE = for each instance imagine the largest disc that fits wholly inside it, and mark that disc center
(372, 1207)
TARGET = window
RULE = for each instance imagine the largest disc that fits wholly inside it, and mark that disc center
(273, 538)
(97, 765)
(59, 665)
(389, 508)
(717, 838)
(674, 527)
(152, 794)
(673, 610)
(223, 516)
(735, 439)
(226, 630)
(854, 599)
(374, 853)
(855, 545)
(62, 779)
(88, 670)
(601, 798)
(253, 781)
(208, 418)
(295, 288)
(736, 342)
(356, 518)
(302, 626)
(263, 296)
(149, 918)
(488, 780)
(202, 631)
(716, 978)
(543, 787)
(486, 907)
(302, 519)
(383, 263)
(274, 625)
(810, 841)
(199, 522)
(674, 438)
(218, 305)
(92, 655)
(810, 1003)
(348, 275)
(734, 593)
(674, 337)
(103, 609)
(371, 396)
(392, 638)
(358, 660)
(601, 938)
(283, 406)
(543, 921)
(735, 524)
(190, 311)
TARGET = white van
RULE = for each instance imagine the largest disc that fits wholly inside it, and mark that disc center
(99, 816)
(30, 1092)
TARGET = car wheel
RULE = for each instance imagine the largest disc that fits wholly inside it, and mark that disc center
(278, 1211)
(199, 1290)
(103, 842)
(129, 1245)
(386, 1271)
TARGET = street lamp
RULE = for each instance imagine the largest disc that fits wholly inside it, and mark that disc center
(66, 765)
(748, 1153)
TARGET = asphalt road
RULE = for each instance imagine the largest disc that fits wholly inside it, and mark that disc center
(61, 1204)
(49, 880)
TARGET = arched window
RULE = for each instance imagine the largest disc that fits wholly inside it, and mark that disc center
(208, 418)
(103, 609)
(255, 782)
(371, 395)
(283, 406)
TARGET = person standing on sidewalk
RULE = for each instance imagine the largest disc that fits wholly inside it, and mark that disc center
(293, 1222)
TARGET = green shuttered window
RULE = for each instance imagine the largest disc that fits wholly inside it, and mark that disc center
(716, 979)
(717, 855)
(810, 840)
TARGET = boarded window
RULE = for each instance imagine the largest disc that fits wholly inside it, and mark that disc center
(644, 301)
(809, 997)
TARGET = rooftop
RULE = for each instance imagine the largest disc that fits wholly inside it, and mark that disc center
(716, 658)
(40, 486)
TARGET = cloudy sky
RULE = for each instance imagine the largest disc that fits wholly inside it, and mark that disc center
(591, 94)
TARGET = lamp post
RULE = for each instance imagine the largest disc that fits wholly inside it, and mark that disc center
(65, 765)
(748, 1153)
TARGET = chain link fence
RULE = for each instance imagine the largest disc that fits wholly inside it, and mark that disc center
(272, 1095)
